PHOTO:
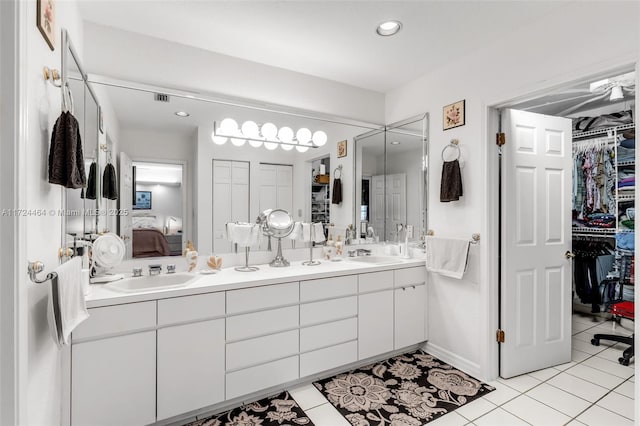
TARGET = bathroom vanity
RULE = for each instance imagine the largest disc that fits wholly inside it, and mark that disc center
(165, 355)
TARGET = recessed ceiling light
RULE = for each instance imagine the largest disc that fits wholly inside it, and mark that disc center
(182, 114)
(388, 28)
(395, 143)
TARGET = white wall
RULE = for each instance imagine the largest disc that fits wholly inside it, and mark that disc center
(42, 234)
(166, 200)
(561, 47)
(175, 65)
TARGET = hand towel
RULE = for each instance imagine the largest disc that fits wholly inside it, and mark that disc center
(447, 256)
(242, 234)
(451, 182)
(90, 193)
(296, 233)
(305, 232)
(66, 308)
(66, 162)
(109, 183)
(336, 193)
(318, 235)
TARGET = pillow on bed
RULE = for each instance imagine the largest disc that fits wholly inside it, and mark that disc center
(143, 222)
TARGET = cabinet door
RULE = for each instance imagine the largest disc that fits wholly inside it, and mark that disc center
(410, 310)
(375, 323)
(190, 367)
(113, 381)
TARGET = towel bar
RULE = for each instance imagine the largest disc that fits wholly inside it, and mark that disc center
(35, 268)
(475, 238)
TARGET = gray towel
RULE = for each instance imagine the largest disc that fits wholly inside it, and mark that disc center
(109, 183)
(451, 183)
(336, 194)
(66, 162)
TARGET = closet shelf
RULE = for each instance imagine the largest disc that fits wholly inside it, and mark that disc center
(605, 130)
(626, 197)
(626, 163)
(593, 231)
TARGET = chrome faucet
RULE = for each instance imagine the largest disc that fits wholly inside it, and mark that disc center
(155, 270)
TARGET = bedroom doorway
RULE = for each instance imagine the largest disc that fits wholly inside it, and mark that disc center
(157, 205)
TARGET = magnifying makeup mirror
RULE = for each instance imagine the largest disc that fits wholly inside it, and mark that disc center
(277, 223)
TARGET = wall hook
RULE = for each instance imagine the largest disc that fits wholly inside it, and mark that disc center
(52, 75)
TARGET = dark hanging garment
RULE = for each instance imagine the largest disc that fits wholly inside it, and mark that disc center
(90, 193)
(451, 183)
(336, 194)
(109, 183)
(66, 162)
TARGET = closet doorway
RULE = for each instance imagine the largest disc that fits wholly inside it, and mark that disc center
(566, 222)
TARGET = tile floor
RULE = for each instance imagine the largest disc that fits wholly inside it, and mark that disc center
(592, 389)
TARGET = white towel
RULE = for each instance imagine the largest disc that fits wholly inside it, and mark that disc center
(242, 234)
(318, 236)
(296, 233)
(447, 256)
(66, 308)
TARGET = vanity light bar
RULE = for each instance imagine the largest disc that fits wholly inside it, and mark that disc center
(320, 138)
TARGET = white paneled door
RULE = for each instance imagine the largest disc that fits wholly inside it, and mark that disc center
(276, 190)
(230, 199)
(536, 234)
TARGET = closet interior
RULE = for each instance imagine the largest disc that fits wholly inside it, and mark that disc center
(603, 203)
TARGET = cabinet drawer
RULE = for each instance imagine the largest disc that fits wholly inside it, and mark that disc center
(375, 281)
(111, 320)
(257, 298)
(263, 376)
(190, 308)
(410, 276)
(262, 349)
(327, 288)
(329, 334)
(263, 322)
(328, 358)
(328, 310)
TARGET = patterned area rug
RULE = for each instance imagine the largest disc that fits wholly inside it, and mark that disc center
(407, 390)
(278, 410)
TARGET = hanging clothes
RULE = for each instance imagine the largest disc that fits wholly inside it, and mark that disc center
(66, 161)
(109, 183)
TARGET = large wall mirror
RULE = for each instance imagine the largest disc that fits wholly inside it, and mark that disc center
(391, 180)
(81, 221)
(178, 184)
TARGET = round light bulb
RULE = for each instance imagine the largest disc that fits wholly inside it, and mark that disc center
(303, 135)
(269, 131)
(218, 140)
(301, 148)
(271, 145)
(319, 138)
(285, 134)
(286, 147)
(237, 141)
(250, 129)
(228, 126)
(255, 144)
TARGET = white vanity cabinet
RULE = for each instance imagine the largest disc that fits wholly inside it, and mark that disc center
(375, 314)
(262, 338)
(190, 355)
(410, 301)
(113, 376)
(328, 318)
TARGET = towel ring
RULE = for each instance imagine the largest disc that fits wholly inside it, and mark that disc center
(453, 145)
(337, 171)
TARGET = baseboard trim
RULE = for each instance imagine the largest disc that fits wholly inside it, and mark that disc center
(454, 360)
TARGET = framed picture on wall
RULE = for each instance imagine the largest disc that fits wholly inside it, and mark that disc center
(342, 149)
(453, 115)
(143, 200)
(46, 21)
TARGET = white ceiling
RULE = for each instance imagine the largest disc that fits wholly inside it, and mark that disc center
(335, 40)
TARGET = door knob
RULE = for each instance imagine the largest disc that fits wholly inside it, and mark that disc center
(569, 255)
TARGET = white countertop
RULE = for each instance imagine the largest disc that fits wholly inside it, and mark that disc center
(230, 279)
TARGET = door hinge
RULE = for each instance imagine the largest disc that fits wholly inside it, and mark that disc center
(500, 336)
(501, 139)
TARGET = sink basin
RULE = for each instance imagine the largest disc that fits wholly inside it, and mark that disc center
(378, 260)
(149, 283)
